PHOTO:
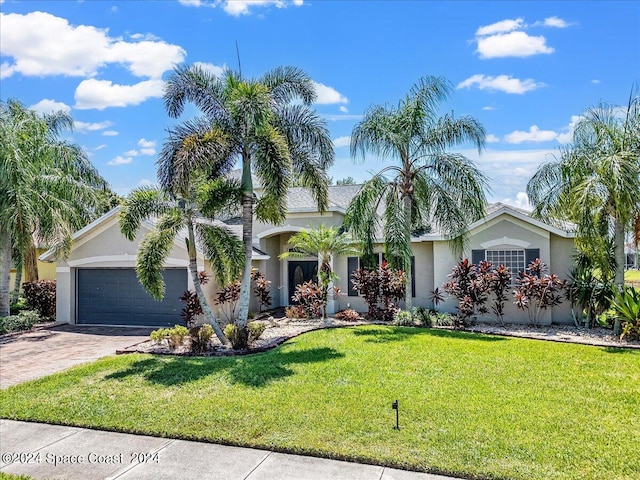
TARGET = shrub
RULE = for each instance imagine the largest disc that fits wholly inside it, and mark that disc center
(159, 335)
(201, 338)
(423, 316)
(626, 305)
(537, 291)
(192, 306)
(348, 315)
(239, 337)
(261, 288)
(19, 305)
(381, 288)
(294, 311)
(403, 318)
(309, 297)
(41, 296)
(256, 329)
(228, 297)
(442, 319)
(20, 322)
(175, 336)
(469, 285)
(498, 280)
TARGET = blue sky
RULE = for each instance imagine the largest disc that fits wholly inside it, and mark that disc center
(526, 70)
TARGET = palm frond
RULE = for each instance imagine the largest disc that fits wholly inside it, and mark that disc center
(289, 83)
(153, 251)
(224, 251)
(139, 205)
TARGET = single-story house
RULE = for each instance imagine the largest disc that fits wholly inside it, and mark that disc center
(97, 284)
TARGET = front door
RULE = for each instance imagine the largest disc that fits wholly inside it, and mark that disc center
(301, 272)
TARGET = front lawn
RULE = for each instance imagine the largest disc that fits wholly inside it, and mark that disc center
(632, 277)
(470, 404)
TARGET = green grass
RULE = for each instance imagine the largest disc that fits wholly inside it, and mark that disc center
(471, 405)
(632, 277)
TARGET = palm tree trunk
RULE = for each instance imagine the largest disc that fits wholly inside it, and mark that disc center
(5, 271)
(247, 239)
(31, 263)
(193, 269)
(618, 248)
(408, 301)
(18, 280)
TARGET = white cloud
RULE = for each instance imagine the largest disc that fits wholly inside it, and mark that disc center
(241, 7)
(110, 133)
(101, 94)
(47, 106)
(210, 67)
(147, 151)
(500, 27)
(343, 109)
(503, 83)
(491, 138)
(489, 108)
(131, 153)
(521, 201)
(145, 182)
(100, 147)
(509, 170)
(567, 136)
(342, 142)
(146, 143)
(513, 44)
(595, 81)
(84, 127)
(328, 95)
(120, 161)
(533, 135)
(554, 22)
(42, 44)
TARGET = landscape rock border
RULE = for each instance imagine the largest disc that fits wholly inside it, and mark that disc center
(280, 330)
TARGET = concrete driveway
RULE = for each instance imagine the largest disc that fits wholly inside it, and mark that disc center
(36, 354)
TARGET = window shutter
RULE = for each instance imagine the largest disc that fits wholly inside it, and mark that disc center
(477, 256)
(413, 276)
(352, 267)
(530, 254)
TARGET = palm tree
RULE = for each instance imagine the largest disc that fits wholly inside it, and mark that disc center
(595, 182)
(272, 137)
(428, 186)
(326, 243)
(48, 188)
(191, 187)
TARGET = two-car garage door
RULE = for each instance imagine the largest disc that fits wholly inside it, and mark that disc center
(114, 296)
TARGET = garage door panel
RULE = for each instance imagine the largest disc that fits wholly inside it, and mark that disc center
(115, 297)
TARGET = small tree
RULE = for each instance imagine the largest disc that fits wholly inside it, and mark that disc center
(325, 242)
(228, 298)
(192, 306)
(536, 290)
(469, 284)
(261, 288)
(382, 288)
(498, 280)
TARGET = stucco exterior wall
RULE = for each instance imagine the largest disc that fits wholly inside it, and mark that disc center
(46, 270)
(561, 263)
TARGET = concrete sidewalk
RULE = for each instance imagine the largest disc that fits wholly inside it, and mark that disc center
(49, 451)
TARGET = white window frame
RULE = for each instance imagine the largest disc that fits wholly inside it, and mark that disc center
(507, 255)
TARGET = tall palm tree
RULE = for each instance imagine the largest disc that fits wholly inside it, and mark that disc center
(273, 138)
(48, 188)
(326, 243)
(192, 187)
(428, 186)
(595, 182)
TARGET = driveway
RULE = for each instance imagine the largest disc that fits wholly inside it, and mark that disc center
(36, 354)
